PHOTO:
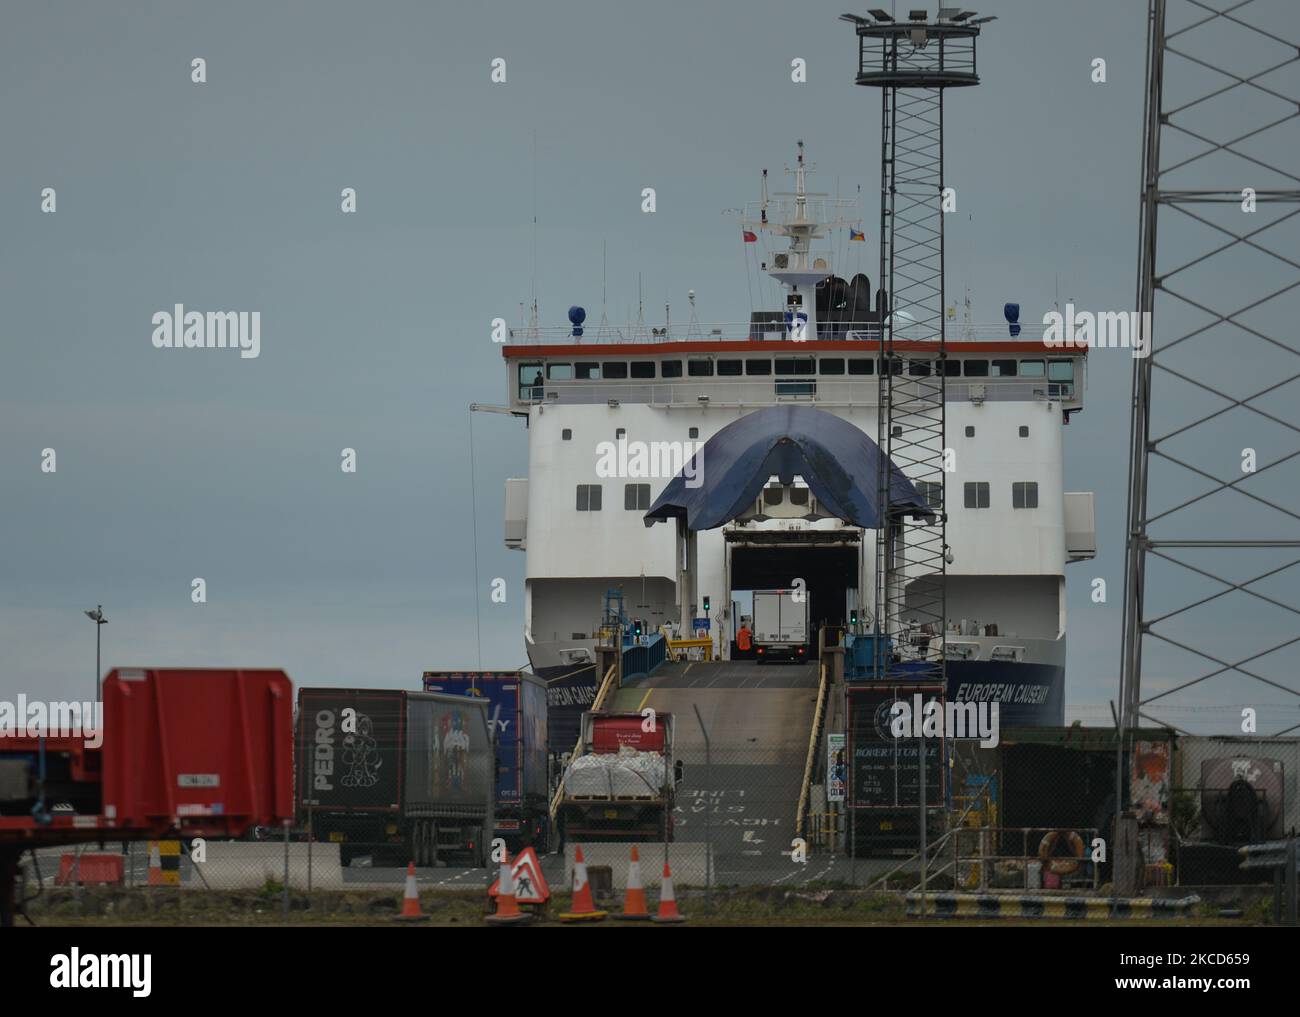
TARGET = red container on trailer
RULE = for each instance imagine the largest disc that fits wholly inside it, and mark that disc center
(208, 751)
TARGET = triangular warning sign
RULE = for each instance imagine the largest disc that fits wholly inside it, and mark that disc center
(530, 884)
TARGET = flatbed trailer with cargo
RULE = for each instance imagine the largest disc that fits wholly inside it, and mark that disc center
(621, 784)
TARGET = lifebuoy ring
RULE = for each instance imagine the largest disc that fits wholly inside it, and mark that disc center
(1062, 865)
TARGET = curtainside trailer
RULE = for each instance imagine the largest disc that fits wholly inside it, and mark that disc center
(517, 718)
(399, 776)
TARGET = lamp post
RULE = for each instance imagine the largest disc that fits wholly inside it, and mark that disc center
(97, 616)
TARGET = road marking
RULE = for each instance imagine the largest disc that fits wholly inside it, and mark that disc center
(647, 696)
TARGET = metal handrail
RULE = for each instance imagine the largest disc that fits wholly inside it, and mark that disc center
(801, 811)
(742, 331)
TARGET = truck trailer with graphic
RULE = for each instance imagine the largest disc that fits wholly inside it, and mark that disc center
(399, 776)
(517, 716)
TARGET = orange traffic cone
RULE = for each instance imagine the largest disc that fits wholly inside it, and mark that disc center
(411, 899)
(667, 902)
(583, 908)
(507, 912)
(634, 903)
(155, 865)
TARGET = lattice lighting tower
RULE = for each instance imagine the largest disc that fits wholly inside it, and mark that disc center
(913, 63)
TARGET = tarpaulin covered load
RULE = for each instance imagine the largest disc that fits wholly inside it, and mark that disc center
(837, 461)
(627, 773)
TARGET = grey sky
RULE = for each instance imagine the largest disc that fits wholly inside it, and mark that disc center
(225, 195)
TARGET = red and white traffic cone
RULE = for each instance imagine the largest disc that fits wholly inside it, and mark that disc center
(583, 908)
(667, 901)
(411, 899)
(507, 912)
(634, 902)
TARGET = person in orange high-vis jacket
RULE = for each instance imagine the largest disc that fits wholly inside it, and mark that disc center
(743, 641)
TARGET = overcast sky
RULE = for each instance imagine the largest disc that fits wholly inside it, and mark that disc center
(225, 195)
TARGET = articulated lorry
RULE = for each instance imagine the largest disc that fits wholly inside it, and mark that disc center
(621, 785)
(781, 625)
(399, 776)
(517, 719)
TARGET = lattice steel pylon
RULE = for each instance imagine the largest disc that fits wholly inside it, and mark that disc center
(913, 63)
(1212, 595)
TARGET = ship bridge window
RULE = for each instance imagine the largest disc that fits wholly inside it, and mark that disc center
(760, 367)
(614, 369)
(1024, 494)
(588, 497)
(773, 495)
(952, 368)
(795, 365)
(798, 496)
(1031, 369)
(830, 365)
(636, 497)
(1060, 370)
(976, 369)
(699, 368)
(730, 368)
(643, 369)
(559, 372)
(670, 368)
(896, 365)
(918, 368)
(530, 381)
(862, 367)
(976, 494)
(587, 372)
(1003, 369)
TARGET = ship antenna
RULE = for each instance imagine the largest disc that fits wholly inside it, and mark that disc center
(604, 317)
(533, 323)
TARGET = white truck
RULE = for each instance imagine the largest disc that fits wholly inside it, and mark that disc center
(781, 625)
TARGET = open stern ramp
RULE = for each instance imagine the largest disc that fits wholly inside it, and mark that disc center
(740, 791)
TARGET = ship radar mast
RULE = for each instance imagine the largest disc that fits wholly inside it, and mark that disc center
(803, 216)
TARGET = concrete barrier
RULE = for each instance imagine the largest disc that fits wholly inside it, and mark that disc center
(248, 865)
(688, 862)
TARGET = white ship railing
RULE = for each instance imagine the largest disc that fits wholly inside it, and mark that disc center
(597, 335)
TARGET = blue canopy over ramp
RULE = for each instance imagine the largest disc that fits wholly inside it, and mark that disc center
(837, 460)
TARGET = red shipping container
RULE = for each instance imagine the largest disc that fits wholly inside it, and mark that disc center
(208, 751)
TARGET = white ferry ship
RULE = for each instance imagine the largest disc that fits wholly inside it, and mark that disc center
(647, 391)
